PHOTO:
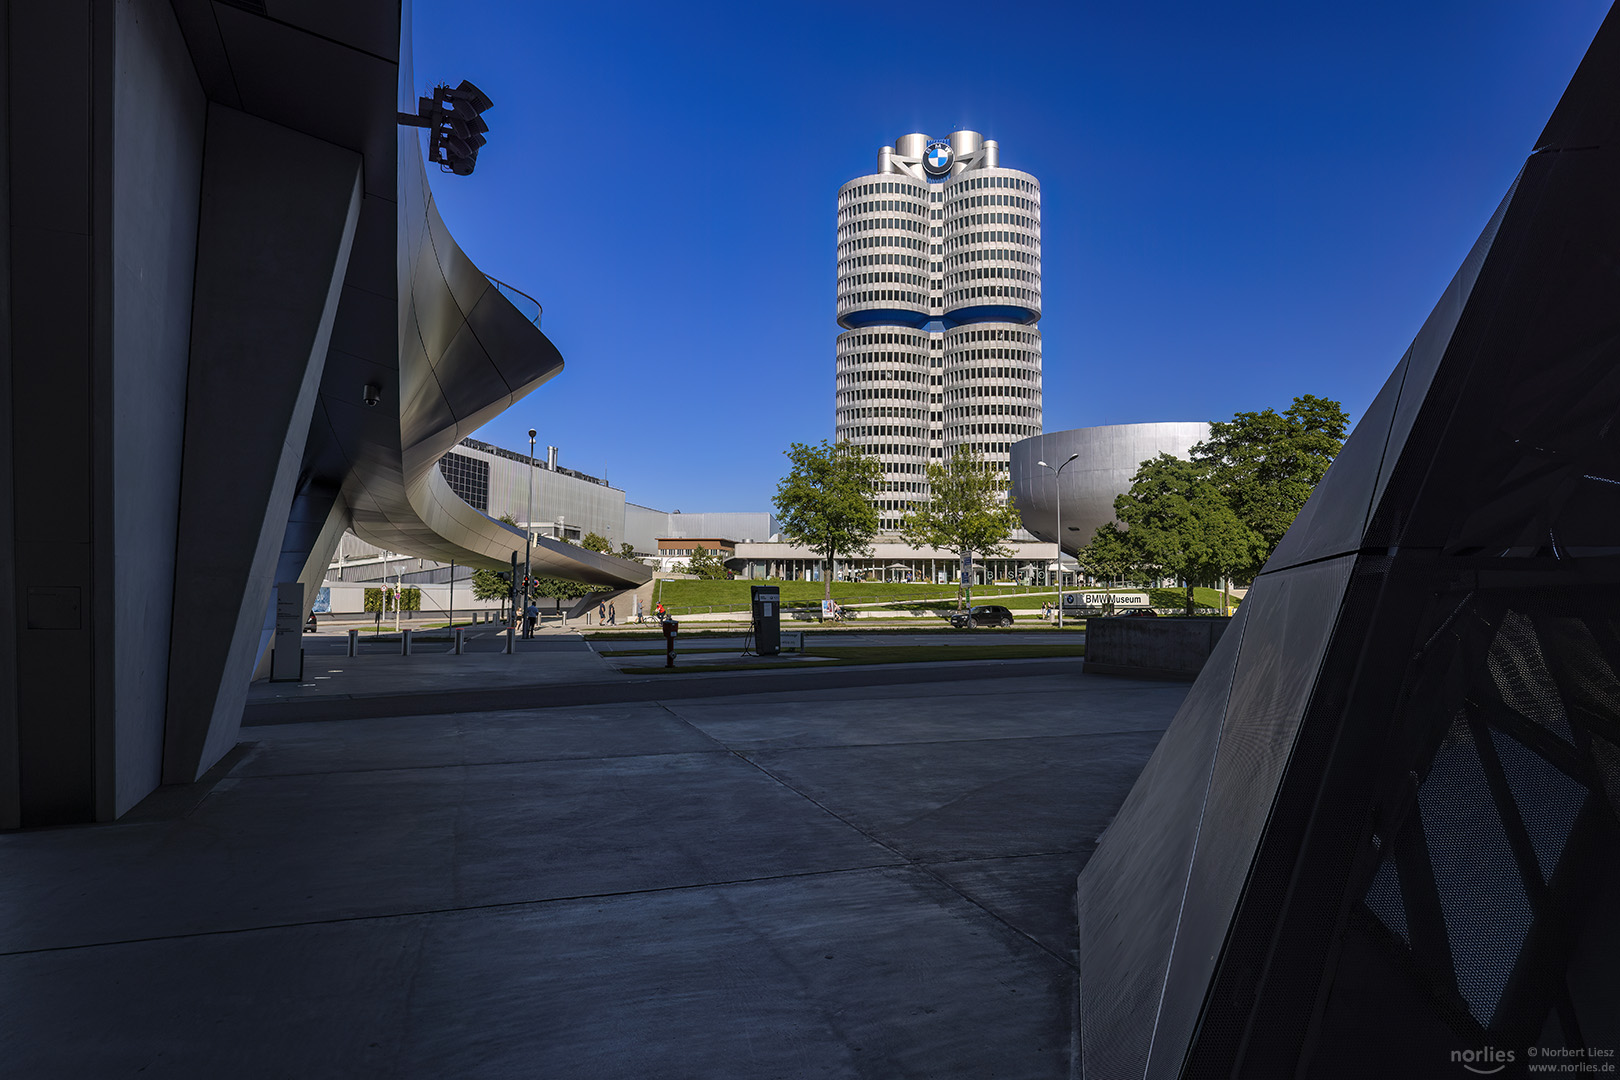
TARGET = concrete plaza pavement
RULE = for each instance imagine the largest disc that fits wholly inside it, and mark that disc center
(857, 879)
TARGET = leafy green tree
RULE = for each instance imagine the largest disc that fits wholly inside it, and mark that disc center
(562, 588)
(1177, 520)
(596, 542)
(825, 501)
(489, 585)
(1109, 557)
(706, 564)
(967, 512)
(1264, 464)
(492, 585)
(627, 551)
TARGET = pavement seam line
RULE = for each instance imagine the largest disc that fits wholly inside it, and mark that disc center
(955, 742)
(463, 765)
(341, 920)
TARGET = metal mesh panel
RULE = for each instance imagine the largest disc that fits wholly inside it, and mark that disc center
(1384, 899)
(1606, 756)
(1521, 676)
(1546, 798)
(1481, 894)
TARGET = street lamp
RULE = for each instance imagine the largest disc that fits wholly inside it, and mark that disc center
(1058, 488)
(528, 526)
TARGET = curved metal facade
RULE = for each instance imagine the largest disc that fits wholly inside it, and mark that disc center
(939, 291)
(462, 353)
(1109, 457)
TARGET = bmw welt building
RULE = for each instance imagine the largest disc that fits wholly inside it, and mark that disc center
(238, 321)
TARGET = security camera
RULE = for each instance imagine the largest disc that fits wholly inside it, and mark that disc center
(373, 394)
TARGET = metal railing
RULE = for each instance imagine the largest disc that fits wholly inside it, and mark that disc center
(520, 299)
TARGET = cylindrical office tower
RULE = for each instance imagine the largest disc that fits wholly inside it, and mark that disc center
(992, 303)
(938, 269)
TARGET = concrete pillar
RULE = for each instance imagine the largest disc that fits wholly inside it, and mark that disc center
(260, 330)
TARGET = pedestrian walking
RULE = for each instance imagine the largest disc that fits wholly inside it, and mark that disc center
(613, 616)
(531, 615)
(601, 614)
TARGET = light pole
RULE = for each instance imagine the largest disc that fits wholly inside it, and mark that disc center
(1057, 487)
(528, 526)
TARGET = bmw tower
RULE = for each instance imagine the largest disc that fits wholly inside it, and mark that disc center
(939, 294)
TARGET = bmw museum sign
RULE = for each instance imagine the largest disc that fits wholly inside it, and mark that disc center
(937, 158)
(1076, 600)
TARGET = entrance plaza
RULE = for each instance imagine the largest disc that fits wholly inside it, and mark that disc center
(432, 866)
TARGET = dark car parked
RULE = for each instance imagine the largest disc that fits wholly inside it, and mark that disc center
(982, 615)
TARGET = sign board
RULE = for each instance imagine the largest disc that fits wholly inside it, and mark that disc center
(323, 601)
(287, 656)
(1090, 601)
(967, 569)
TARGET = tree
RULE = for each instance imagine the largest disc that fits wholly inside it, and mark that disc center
(825, 501)
(1109, 556)
(705, 564)
(563, 588)
(490, 585)
(596, 542)
(1264, 464)
(627, 551)
(966, 512)
(1177, 520)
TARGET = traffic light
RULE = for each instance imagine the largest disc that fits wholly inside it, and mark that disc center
(454, 117)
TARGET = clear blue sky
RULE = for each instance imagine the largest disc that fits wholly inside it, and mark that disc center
(1240, 205)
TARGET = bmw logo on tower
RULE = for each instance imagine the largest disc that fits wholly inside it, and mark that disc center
(937, 161)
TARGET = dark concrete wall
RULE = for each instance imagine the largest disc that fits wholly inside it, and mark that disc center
(157, 142)
(59, 674)
(1154, 648)
(8, 562)
(101, 238)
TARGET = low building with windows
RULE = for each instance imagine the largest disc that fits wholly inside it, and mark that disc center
(675, 550)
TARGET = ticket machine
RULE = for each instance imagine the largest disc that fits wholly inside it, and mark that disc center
(767, 619)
